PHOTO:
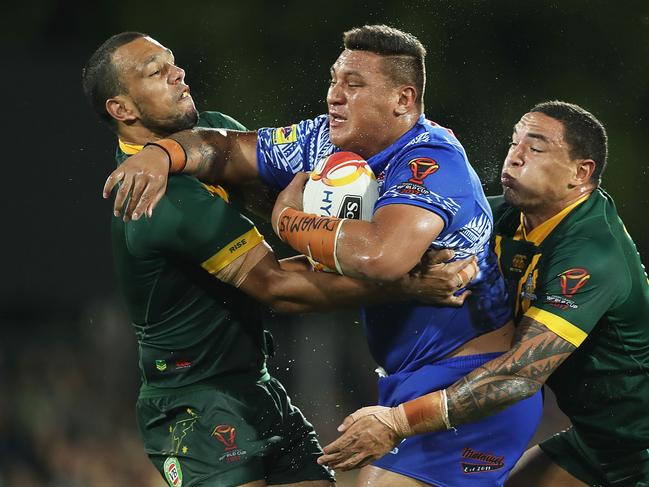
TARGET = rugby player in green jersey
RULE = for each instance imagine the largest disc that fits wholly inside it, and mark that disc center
(581, 299)
(208, 411)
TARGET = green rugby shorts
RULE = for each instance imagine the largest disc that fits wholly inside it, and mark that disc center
(228, 434)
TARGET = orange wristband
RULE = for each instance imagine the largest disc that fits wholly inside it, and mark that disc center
(312, 235)
(427, 413)
(175, 152)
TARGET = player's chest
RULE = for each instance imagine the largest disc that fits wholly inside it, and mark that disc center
(519, 264)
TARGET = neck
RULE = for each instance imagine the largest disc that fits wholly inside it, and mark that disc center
(401, 125)
(542, 213)
(137, 134)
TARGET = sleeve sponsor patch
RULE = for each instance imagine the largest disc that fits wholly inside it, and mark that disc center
(285, 135)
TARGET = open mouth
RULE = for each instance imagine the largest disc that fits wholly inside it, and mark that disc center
(335, 119)
(185, 94)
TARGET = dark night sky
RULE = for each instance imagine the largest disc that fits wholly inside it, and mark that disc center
(267, 64)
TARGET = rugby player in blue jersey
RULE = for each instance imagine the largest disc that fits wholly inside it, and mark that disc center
(430, 197)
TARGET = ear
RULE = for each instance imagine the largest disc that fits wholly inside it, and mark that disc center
(584, 171)
(406, 101)
(122, 109)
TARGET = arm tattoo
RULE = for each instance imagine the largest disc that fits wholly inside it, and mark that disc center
(203, 153)
(515, 375)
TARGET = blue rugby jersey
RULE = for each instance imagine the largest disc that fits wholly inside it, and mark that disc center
(426, 167)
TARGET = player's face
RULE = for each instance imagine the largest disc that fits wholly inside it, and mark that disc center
(155, 86)
(361, 101)
(538, 167)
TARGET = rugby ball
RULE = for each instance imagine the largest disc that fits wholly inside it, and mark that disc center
(341, 185)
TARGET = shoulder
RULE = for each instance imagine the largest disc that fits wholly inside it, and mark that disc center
(184, 192)
(590, 243)
(219, 120)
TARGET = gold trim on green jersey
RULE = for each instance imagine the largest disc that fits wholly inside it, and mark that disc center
(537, 235)
(218, 191)
(231, 251)
(129, 149)
(498, 251)
(561, 327)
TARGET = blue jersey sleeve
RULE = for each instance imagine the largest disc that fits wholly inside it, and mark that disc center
(282, 152)
(433, 177)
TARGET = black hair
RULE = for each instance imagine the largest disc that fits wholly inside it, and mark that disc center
(99, 76)
(583, 132)
(404, 53)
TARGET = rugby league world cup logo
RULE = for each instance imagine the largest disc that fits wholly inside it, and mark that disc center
(341, 169)
(226, 435)
(421, 168)
(573, 280)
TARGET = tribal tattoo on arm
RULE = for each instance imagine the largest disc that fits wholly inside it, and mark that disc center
(516, 375)
(202, 148)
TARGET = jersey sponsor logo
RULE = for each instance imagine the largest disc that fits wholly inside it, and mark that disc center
(236, 246)
(173, 472)
(421, 168)
(161, 365)
(412, 188)
(227, 434)
(285, 135)
(573, 280)
(475, 461)
(351, 207)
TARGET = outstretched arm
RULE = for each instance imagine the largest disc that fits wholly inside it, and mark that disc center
(212, 155)
(290, 286)
(371, 432)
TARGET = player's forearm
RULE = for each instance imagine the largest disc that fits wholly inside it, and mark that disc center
(307, 291)
(512, 377)
(366, 250)
(219, 156)
(353, 247)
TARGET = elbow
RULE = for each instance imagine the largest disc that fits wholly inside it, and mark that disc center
(277, 296)
(381, 266)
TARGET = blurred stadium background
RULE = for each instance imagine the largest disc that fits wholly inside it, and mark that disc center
(68, 377)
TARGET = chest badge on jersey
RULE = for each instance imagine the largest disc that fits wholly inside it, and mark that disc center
(519, 263)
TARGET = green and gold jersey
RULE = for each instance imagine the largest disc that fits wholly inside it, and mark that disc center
(190, 326)
(579, 274)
